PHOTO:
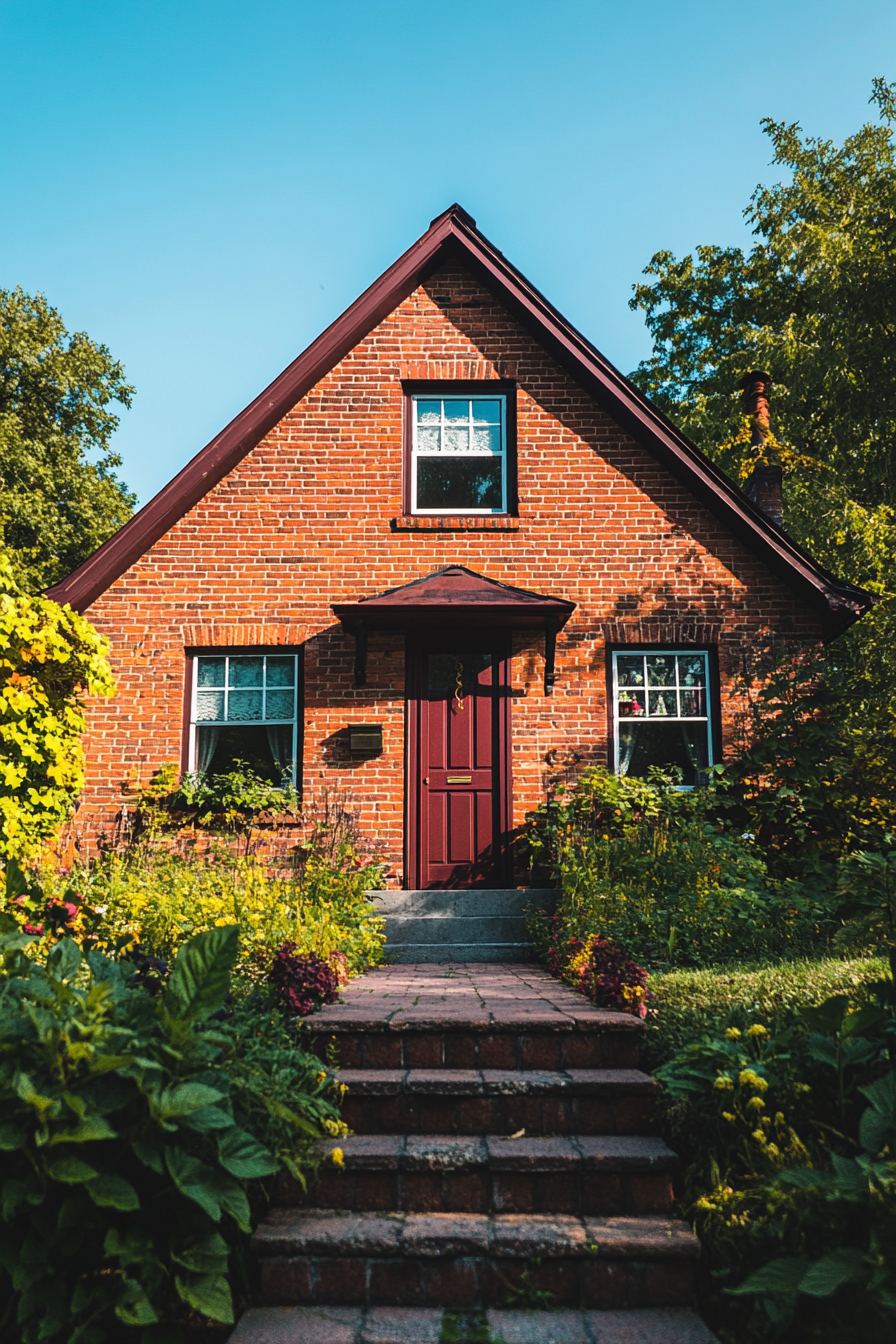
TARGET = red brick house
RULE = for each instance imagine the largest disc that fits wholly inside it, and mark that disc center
(449, 546)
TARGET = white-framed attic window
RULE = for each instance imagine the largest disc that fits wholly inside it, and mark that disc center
(245, 707)
(459, 454)
(661, 712)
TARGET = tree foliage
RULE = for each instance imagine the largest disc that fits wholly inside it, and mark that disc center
(49, 656)
(59, 496)
(813, 302)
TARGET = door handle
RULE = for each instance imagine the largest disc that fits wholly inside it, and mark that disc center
(426, 779)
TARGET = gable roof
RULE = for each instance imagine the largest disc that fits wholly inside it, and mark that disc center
(453, 236)
(454, 588)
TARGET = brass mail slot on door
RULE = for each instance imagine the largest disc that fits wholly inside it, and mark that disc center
(459, 779)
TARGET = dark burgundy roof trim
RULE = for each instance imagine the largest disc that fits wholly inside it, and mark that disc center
(453, 589)
(455, 232)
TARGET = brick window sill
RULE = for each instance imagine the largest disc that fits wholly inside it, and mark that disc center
(455, 523)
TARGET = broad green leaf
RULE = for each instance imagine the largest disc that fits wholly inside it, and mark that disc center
(208, 1256)
(149, 1157)
(826, 1018)
(184, 1098)
(113, 1192)
(64, 959)
(196, 1180)
(92, 1127)
(856, 1024)
(208, 1294)
(233, 1201)
(837, 1267)
(243, 1156)
(201, 975)
(67, 1167)
(209, 1117)
(15, 880)
(806, 1178)
(882, 1095)
(134, 1307)
(778, 1276)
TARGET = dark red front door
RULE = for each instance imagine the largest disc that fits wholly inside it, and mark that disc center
(458, 775)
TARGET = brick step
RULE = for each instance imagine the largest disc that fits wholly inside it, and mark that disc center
(435, 1040)
(460, 1260)
(497, 1101)
(602, 1174)
(410, 1325)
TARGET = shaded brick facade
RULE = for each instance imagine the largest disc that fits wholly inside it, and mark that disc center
(312, 516)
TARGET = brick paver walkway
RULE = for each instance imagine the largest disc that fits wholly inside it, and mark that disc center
(501, 1156)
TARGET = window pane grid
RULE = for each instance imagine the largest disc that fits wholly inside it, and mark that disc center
(661, 713)
(458, 458)
(661, 685)
(258, 689)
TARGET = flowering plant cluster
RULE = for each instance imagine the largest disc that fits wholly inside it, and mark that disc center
(304, 983)
(606, 975)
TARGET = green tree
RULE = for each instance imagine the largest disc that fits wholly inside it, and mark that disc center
(49, 657)
(813, 302)
(59, 496)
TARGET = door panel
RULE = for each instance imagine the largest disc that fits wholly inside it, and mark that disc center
(457, 775)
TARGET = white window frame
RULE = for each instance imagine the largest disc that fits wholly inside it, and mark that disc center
(469, 397)
(640, 651)
(196, 724)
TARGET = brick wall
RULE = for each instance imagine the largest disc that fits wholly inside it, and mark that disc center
(312, 516)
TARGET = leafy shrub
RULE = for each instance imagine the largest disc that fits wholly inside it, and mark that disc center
(49, 658)
(791, 1177)
(131, 1130)
(158, 899)
(660, 872)
(302, 983)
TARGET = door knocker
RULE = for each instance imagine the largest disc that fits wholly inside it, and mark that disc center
(459, 683)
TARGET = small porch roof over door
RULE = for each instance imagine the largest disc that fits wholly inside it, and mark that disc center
(456, 596)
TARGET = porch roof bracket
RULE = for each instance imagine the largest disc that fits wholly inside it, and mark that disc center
(550, 651)
(360, 633)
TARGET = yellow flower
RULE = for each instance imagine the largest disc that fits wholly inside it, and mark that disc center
(748, 1078)
(774, 1150)
(755, 1104)
(726, 1115)
(723, 1083)
(759, 1136)
(732, 1034)
(779, 1117)
(337, 1157)
(757, 1029)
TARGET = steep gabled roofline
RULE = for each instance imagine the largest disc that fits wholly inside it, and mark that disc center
(453, 236)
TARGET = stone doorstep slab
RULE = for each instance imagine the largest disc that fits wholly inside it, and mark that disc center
(414, 1325)
(342, 1234)
(497, 1082)
(446, 1152)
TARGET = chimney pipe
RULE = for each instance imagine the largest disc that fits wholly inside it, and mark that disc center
(764, 485)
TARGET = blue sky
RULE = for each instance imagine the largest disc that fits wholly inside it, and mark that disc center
(204, 185)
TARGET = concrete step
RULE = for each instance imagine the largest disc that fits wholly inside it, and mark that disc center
(415, 1325)
(458, 1260)
(444, 1173)
(497, 1101)
(455, 925)
(464, 904)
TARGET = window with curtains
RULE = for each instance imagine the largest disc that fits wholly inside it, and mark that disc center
(661, 712)
(245, 708)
